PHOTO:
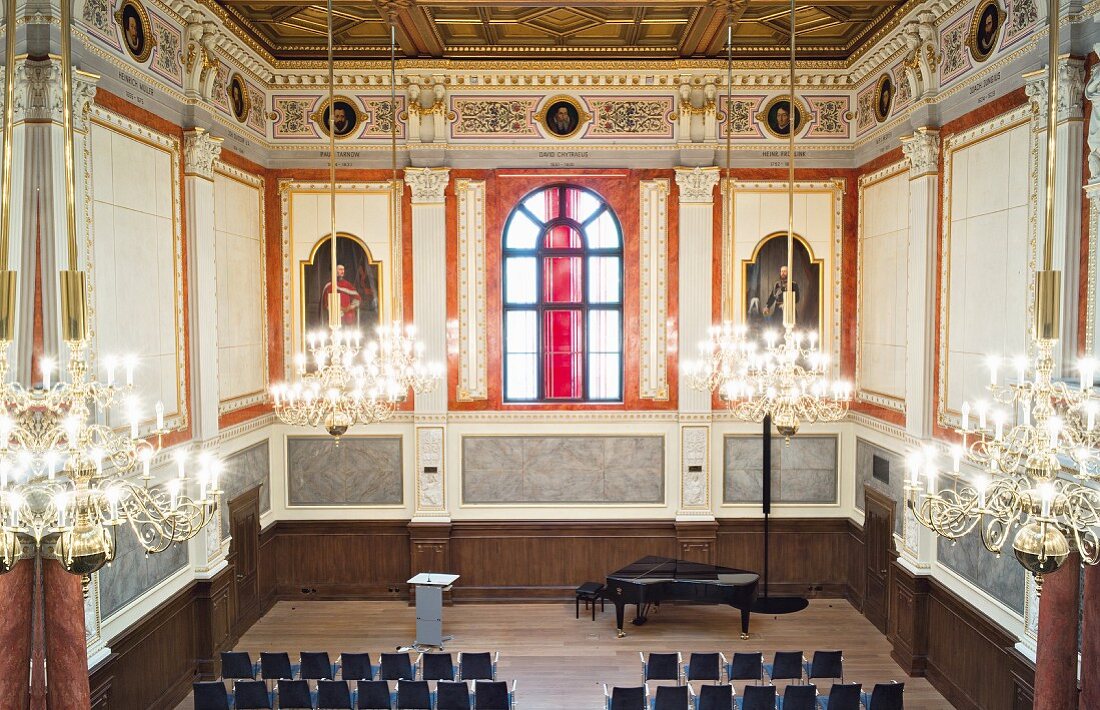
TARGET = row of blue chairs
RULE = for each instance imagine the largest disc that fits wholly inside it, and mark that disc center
(710, 667)
(317, 665)
(842, 696)
(365, 695)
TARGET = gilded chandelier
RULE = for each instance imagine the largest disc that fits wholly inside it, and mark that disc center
(785, 378)
(1030, 438)
(340, 381)
(69, 474)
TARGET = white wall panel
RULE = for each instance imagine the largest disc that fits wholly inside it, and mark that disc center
(241, 286)
(883, 244)
(136, 257)
(988, 254)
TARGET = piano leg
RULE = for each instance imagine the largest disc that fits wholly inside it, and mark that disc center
(744, 624)
(620, 608)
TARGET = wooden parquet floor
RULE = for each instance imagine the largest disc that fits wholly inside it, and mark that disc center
(560, 662)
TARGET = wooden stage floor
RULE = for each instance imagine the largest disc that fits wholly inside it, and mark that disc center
(560, 661)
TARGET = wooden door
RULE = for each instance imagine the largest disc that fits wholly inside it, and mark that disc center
(878, 537)
(244, 527)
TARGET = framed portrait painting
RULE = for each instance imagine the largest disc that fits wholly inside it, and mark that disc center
(240, 102)
(778, 117)
(133, 22)
(358, 284)
(884, 97)
(345, 117)
(562, 116)
(765, 279)
(985, 29)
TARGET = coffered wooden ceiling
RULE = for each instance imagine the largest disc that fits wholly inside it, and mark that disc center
(544, 29)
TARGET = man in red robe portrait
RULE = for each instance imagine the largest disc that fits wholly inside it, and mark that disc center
(350, 298)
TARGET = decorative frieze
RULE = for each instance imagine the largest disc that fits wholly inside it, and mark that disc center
(472, 345)
(653, 288)
(632, 117)
(491, 117)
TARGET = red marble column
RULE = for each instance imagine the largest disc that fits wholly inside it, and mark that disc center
(17, 598)
(1056, 645)
(1090, 640)
(66, 644)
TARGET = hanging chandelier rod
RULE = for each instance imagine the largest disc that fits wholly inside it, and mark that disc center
(792, 125)
(7, 278)
(334, 292)
(1048, 282)
(393, 129)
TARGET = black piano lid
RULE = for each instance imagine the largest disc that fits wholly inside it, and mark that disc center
(658, 569)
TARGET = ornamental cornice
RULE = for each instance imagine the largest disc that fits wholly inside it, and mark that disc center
(1071, 91)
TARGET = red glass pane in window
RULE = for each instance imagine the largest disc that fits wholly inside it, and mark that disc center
(562, 279)
(563, 354)
(553, 203)
(572, 202)
(563, 237)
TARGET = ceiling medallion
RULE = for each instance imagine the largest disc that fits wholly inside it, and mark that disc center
(348, 116)
(562, 116)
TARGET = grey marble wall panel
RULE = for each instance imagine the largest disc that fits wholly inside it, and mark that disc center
(865, 459)
(243, 470)
(805, 471)
(1002, 578)
(563, 469)
(133, 572)
(362, 470)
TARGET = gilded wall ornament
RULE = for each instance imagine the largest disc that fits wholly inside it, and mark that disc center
(346, 116)
(884, 97)
(133, 23)
(985, 29)
(777, 119)
(562, 116)
(240, 99)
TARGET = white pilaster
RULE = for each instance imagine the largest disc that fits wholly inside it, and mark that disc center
(429, 234)
(1069, 142)
(923, 152)
(696, 272)
(200, 150)
(696, 188)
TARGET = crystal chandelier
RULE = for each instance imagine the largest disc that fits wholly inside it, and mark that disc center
(1032, 427)
(784, 380)
(69, 474)
(341, 381)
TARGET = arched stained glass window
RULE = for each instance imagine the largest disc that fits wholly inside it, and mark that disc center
(563, 298)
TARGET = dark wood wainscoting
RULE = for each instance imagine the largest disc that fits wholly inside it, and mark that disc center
(934, 632)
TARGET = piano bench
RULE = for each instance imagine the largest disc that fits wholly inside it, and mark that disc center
(590, 592)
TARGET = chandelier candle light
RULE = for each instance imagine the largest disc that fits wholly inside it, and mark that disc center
(1035, 441)
(341, 381)
(70, 473)
(785, 378)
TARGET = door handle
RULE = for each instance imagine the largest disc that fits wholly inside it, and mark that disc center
(240, 577)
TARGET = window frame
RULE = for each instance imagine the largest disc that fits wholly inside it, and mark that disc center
(540, 253)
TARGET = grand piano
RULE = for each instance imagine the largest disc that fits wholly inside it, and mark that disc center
(652, 580)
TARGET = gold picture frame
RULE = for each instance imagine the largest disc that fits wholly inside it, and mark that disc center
(884, 97)
(562, 125)
(342, 103)
(315, 272)
(140, 41)
(239, 110)
(985, 29)
(744, 304)
(768, 116)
